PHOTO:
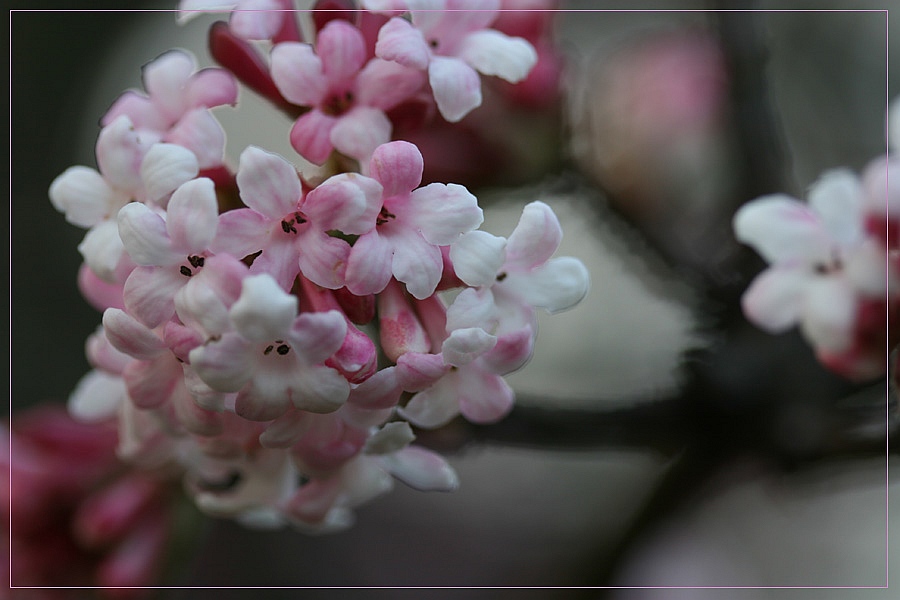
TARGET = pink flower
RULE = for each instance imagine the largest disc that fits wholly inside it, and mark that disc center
(168, 251)
(823, 264)
(175, 108)
(130, 168)
(290, 229)
(451, 40)
(273, 358)
(348, 94)
(411, 226)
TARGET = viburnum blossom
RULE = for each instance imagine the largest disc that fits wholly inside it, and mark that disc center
(130, 168)
(453, 42)
(274, 337)
(347, 93)
(176, 106)
(828, 273)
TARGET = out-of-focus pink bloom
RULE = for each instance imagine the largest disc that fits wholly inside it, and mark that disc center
(78, 516)
(249, 19)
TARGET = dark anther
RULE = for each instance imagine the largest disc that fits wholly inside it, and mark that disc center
(300, 217)
(185, 271)
(433, 43)
(268, 349)
(384, 216)
(288, 226)
(501, 276)
(283, 349)
(196, 261)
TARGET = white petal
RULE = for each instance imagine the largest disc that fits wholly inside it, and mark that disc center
(264, 312)
(456, 86)
(360, 131)
(837, 197)
(131, 337)
(477, 257)
(828, 313)
(534, 240)
(102, 250)
(165, 167)
(268, 183)
(434, 406)
(444, 212)
(495, 53)
(422, 469)
(556, 286)
(144, 235)
(465, 345)
(774, 299)
(97, 397)
(193, 214)
(781, 228)
(84, 196)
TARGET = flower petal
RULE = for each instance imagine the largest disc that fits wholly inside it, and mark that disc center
(193, 214)
(84, 196)
(127, 335)
(390, 438)
(149, 294)
(456, 87)
(165, 167)
(556, 286)
(417, 263)
(102, 250)
(143, 233)
(781, 228)
(443, 212)
(341, 48)
(323, 259)
(384, 84)
(348, 202)
(774, 300)
(485, 397)
(369, 264)
(477, 257)
(298, 73)
(268, 183)
(828, 313)
(401, 42)
(465, 345)
(494, 53)
(535, 238)
(837, 197)
(398, 167)
(200, 132)
(422, 469)
(359, 131)
(311, 136)
(223, 364)
(97, 397)
(264, 312)
(434, 406)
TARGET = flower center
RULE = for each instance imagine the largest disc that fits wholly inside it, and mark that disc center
(195, 263)
(337, 104)
(287, 225)
(384, 216)
(278, 346)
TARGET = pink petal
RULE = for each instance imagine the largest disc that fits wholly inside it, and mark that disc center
(358, 132)
(381, 390)
(129, 336)
(144, 235)
(829, 312)
(384, 84)
(369, 264)
(256, 19)
(434, 406)
(151, 382)
(212, 87)
(311, 136)
(193, 214)
(401, 42)
(223, 364)
(484, 397)
(120, 152)
(241, 232)
(417, 371)
(443, 212)
(278, 259)
(139, 109)
(341, 48)
(465, 345)
(417, 263)
(511, 352)
(348, 202)
(166, 78)
(535, 238)
(323, 259)
(320, 390)
(201, 133)
(268, 183)
(298, 73)
(149, 293)
(493, 53)
(316, 336)
(398, 167)
(456, 87)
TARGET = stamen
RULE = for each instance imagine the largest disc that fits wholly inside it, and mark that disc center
(185, 271)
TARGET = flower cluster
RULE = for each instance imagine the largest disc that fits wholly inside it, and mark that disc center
(835, 264)
(278, 336)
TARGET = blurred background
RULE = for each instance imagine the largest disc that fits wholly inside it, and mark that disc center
(660, 441)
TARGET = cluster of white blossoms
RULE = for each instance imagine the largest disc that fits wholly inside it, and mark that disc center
(276, 338)
(834, 263)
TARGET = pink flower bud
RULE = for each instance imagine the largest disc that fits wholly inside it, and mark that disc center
(401, 331)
